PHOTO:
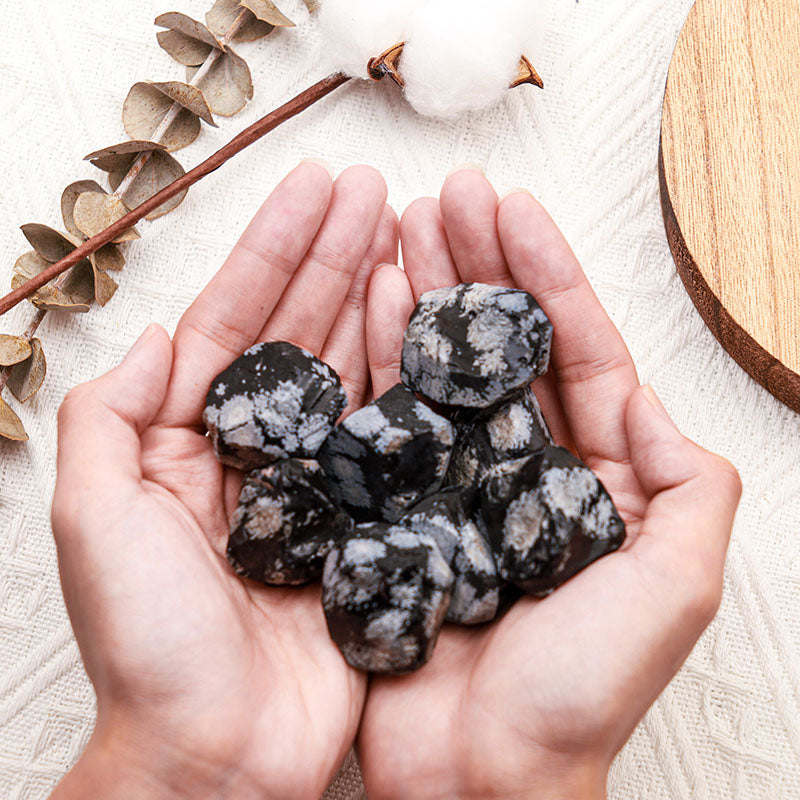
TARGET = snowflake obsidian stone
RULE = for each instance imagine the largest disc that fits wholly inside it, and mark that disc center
(446, 516)
(472, 345)
(276, 401)
(387, 456)
(285, 524)
(548, 516)
(385, 591)
(512, 429)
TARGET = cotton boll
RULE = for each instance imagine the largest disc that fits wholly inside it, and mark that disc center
(461, 55)
(356, 31)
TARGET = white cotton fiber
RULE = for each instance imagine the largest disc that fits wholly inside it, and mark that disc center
(357, 30)
(461, 55)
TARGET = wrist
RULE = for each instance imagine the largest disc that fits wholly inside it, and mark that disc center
(122, 762)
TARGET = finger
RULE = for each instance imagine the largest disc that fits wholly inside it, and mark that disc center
(389, 306)
(594, 371)
(694, 493)
(426, 251)
(311, 303)
(469, 210)
(346, 347)
(99, 428)
(227, 316)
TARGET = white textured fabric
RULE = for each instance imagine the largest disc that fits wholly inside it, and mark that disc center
(729, 725)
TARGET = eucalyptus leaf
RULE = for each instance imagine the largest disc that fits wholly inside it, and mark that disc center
(104, 285)
(121, 156)
(48, 298)
(184, 49)
(225, 12)
(159, 171)
(50, 244)
(78, 288)
(11, 426)
(108, 257)
(27, 266)
(190, 97)
(68, 198)
(181, 23)
(26, 378)
(144, 109)
(95, 211)
(13, 349)
(267, 11)
(227, 86)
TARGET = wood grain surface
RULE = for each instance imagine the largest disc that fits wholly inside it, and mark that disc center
(730, 180)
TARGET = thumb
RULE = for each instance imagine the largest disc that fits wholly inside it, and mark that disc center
(693, 498)
(99, 423)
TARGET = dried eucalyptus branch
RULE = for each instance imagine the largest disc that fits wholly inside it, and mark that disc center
(112, 233)
(160, 117)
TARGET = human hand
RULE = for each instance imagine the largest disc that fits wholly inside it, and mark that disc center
(538, 703)
(208, 685)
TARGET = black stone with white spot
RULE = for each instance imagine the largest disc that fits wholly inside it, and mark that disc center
(385, 457)
(285, 524)
(385, 591)
(474, 344)
(547, 517)
(512, 429)
(275, 401)
(447, 517)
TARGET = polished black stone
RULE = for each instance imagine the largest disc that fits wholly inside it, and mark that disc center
(511, 429)
(473, 345)
(275, 401)
(385, 591)
(447, 516)
(385, 457)
(285, 524)
(547, 517)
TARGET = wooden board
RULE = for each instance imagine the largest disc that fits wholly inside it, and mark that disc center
(730, 180)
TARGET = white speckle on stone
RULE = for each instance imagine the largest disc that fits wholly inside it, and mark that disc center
(488, 334)
(403, 539)
(404, 595)
(265, 518)
(366, 423)
(387, 626)
(312, 432)
(510, 428)
(221, 389)
(566, 489)
(522, 526)
(363, 551)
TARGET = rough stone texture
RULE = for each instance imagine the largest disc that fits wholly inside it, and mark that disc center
(512, 429)
(472, 345)
(447, 517)
(385, 457)
(547, 517)
(385, 591)
(275, 401)
(285, 524)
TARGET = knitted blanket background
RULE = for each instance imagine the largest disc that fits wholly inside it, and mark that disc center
(729, 725)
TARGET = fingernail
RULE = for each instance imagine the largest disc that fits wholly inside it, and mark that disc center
(467, 165)
(321, 162)
(384, 264)
(140, 343)
(515, 190)
(652, 398)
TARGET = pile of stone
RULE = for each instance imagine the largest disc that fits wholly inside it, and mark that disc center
(433, 503)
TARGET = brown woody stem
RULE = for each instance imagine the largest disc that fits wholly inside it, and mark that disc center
(247, 137)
